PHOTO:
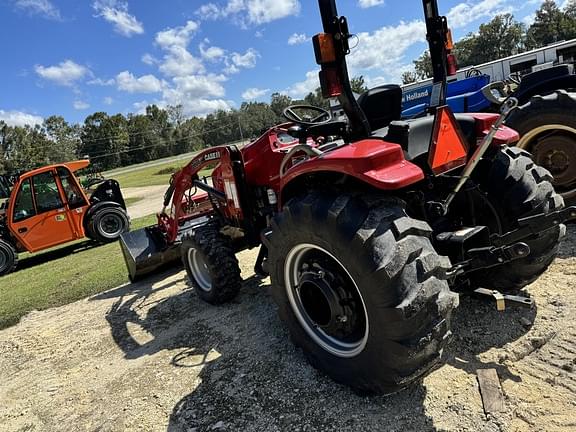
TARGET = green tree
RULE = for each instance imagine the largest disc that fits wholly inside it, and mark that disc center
(64, 137)
(105, 139)
(358, 84)
(423, 66)
(409, 77)
(547, 26)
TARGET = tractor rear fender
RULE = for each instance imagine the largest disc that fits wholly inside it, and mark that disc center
(376, 163)
(543, 88)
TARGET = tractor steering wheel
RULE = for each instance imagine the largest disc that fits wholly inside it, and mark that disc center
(323, 117)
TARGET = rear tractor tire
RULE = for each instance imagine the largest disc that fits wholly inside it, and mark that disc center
(108, 224)
(517, 188)
(547, 127)
(361, 289)
(211, 264)
(8, 258)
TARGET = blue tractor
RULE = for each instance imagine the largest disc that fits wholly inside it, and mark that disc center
(546, 119)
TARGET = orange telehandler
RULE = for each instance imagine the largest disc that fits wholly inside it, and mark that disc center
(47, 207)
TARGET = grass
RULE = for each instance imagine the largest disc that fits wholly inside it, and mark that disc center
(134, 200)
(148, 176)
(151, 176)
(62, 275)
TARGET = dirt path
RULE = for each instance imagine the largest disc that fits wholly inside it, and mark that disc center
(150, 203)
(153, 357)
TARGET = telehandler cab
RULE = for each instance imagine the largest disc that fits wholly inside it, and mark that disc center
(47, 207)
(368, 227)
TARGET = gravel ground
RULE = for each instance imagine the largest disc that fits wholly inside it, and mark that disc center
(150, 203)
(153, 357)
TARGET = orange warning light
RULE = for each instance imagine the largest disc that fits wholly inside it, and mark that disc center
(448, 150)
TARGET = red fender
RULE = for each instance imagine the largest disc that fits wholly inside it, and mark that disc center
(379, 163)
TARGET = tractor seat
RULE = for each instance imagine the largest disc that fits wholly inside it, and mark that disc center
(382, 105)
(414, 135)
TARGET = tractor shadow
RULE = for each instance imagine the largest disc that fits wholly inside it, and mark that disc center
(29, 261)
(250, 375)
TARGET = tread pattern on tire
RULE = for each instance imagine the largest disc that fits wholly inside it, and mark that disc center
(221, 260)
(519, 188)
(409, 300)
(555, 108)
(12, 255)
(92, 230)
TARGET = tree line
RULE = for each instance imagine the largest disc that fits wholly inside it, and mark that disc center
(111, 141)
(503, 36)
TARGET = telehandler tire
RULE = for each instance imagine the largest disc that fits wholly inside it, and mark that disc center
(107, 224)
(8, 258)
(547, 127)
(211, 264)
(361, 289)
(517, 188)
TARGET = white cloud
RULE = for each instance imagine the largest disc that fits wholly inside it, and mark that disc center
(43, 8)
(177, 36)
(211, 53)
(297, 38)
(254, 93)
(179, 62)
(102, 82)
(301, 89)
(384, 49)
(198, 86)
(250, 11)
(239, 61)
(263, 11)
(19, 118)
(81, 105)
(465, 13)
(369, 3)
(144, 84)
(66, 73)
(149, 59)
(108, 100)
(116, 13)
(529, 19)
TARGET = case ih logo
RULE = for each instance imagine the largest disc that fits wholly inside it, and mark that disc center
(206, 158)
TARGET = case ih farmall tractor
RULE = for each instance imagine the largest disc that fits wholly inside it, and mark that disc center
(47, 207)
(369, 227)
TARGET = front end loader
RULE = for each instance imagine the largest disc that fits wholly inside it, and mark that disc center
(369, 227)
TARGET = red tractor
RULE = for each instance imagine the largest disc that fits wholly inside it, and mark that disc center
(368, 227)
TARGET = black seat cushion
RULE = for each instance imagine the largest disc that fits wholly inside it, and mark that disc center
(382, 105)
(415, 135)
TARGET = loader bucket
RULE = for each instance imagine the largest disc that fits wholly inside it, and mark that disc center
(145, 251)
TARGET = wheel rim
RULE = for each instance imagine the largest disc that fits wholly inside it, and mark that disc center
(111, 225)
(558, 155)
(554, 147)
(200, 270)
(326, 300)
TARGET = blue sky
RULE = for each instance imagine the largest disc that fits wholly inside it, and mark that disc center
(72, 58)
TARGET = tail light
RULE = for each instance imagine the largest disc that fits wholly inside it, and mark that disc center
(330, 82)
(452, 65)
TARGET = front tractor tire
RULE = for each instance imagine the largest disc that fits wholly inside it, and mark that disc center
(211, 264)
(107, 224)
(361, 289)
(518, 188)
(547, 127)
(8, 258)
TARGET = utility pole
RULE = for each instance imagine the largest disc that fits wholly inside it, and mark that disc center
(240, 126)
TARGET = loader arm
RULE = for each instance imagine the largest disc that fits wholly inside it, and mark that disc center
(178, 198)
